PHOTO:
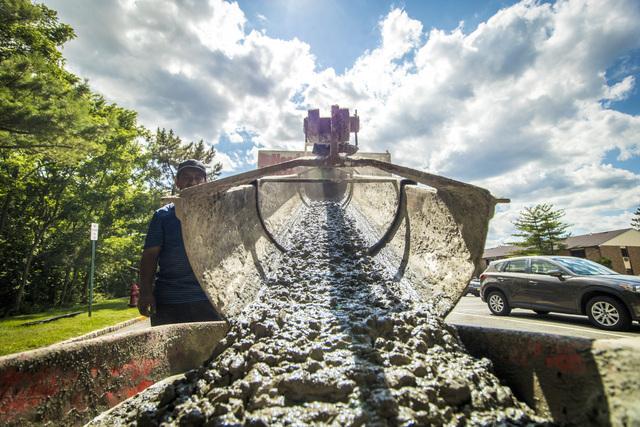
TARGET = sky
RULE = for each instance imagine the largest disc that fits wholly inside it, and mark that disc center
(536, 101)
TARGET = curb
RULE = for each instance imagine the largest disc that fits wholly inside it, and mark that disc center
(103, 331)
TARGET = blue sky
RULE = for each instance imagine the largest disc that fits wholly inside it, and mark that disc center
(535, 101)
(625, 65)
(340, 31)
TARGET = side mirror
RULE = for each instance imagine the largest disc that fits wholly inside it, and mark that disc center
(556, 273)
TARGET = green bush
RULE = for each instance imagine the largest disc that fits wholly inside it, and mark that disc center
(605, 261)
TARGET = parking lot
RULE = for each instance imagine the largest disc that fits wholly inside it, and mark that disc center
(472, 311)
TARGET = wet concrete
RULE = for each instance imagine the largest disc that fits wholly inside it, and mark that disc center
(332, 338)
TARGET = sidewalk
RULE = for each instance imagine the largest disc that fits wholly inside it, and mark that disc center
(139, 323)
(142, 323)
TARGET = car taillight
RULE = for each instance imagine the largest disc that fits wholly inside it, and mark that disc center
(482, 276)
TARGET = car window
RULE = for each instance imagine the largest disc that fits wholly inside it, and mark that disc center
(495, 266)
(540, 266)
(516, 266)
(583, 267)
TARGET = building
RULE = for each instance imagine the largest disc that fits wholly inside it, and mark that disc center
(620, 247)
(273, 157)
(500, 252)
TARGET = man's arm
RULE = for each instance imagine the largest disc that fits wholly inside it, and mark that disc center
(148, 266)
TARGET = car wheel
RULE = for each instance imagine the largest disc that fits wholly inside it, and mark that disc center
(498, 303)
(541, 312)
(608, 313)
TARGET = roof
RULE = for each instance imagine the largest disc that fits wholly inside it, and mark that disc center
(536, 257)
(500, 251)
(592, 239)
(582, 241)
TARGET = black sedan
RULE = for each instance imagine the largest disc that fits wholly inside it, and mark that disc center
(565, 285)
(473, 287)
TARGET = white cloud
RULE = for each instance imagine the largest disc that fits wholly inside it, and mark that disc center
(228, 164)
(222, 28)
(620, 90)
(518, 105)
(399, 34)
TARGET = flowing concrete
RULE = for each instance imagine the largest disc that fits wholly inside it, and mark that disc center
(575, 381)
(334, 339)
(434, 250)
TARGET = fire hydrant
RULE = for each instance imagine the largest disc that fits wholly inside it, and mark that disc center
(134, 294)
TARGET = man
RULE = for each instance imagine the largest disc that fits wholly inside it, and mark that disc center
(176, 296)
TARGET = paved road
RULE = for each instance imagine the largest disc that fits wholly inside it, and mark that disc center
(472, 311)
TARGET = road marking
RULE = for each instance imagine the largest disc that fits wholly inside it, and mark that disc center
(545, 324)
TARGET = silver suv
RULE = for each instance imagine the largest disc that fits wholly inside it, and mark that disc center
(564, 285)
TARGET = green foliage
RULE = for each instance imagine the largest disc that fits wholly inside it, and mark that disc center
(15, 338)
(167, 151)
(541, 230)
(67, 159)
(42, 106)
(635, 221)
(605, 261)
(31, 29)
(48, 206)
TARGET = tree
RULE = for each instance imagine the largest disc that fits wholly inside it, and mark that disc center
(43, 238)
(43, 107)
(541, 229)
(27, 28)
(69, 158)
(635, 221)
(605, 261)
(167, 151)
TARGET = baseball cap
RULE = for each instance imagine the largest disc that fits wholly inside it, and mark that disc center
(192, 164)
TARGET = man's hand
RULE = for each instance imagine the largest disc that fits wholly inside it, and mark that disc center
(147, 304)
(148, 265)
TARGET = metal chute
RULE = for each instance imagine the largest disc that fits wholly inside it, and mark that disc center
(429, 228)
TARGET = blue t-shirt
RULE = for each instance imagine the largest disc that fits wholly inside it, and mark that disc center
(175, 282)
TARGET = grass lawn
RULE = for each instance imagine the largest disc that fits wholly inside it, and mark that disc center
(15, 338)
